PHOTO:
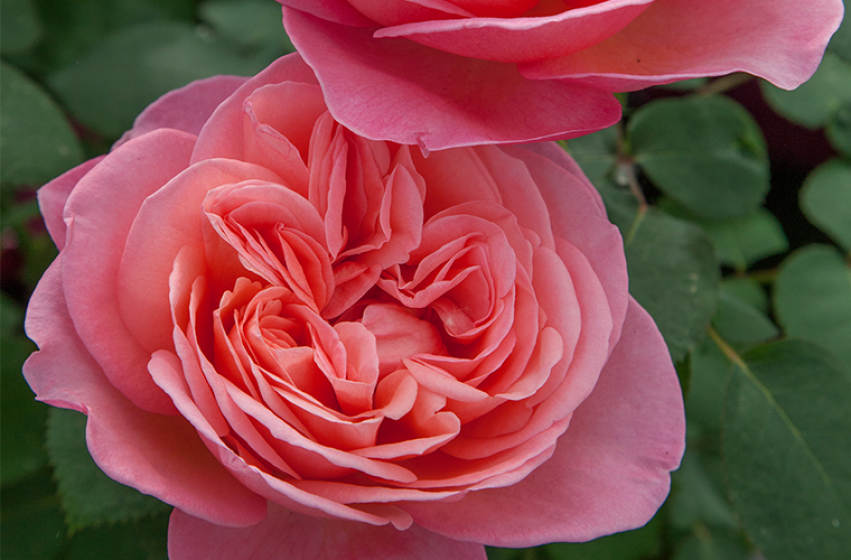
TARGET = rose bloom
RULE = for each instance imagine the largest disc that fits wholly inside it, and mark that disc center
(323, 346)
(447, 73)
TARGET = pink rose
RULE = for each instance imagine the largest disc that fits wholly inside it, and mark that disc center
(309, 341)
(448, 73)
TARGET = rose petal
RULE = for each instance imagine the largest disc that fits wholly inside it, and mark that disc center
(186, 108)
(53, 196)
(309, 538)
(99, 214)
(579, 217)
(338, 11)
(782, 41)
(223, 134)
(395, 12)
(166, 222)
(610, 471)
(398, 90)
(164, 456)
(524, 39)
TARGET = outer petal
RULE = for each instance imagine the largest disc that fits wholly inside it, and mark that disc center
(53, 196)
(338, 11)
(186, 108)
(395, 89)
(610, 470)
(780, 40)
(158, 455)
(223, 134)
(284, 534)
(524, 39)
(99, 213)
(578, 215)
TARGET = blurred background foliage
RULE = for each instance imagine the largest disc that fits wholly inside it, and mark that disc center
(734, 200)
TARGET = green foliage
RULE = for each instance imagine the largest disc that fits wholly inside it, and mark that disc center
(116, 80)
(812, 296)
(251, 24)
(144, 540)
(33, 528)
(838, 130)
(826, 200)
(36, 142)
(787, 444)
(20, 28)
(89, 497)
(674, 275)
(816, 102)
(741, 242)
(840, 43)
(22, 419)
(707, 153)
(741, 323)
(630, 545)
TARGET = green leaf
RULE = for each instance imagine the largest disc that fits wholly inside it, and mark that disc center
(89, 497)
(710, 371)
(71, 29)
(838, 130)
(113, 83)
(36, 142)
(673, 273)
(140, 540)
(32, 521)
(630, 545)
(787, 445)
(22, 419)
(250, 23)
(817, 100)
(826, 200)
(840, 43)
(596, 154)
(707, 153)
(707, 544)
(741, 323)
(747, 290)
(696, 498)
(741, 242)
(812, 298)
(20, 28)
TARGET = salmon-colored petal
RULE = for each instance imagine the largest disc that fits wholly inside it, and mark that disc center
(782, 41)
(167, 372)
(99, 214)
(610, 470)
(166, 222)
(164, 456)
(578, 216)
(398, 90)
(276, 135)
(309, 538)
(223, 134)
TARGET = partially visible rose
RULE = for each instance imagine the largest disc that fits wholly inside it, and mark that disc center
(447, 73)
(311, 342)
